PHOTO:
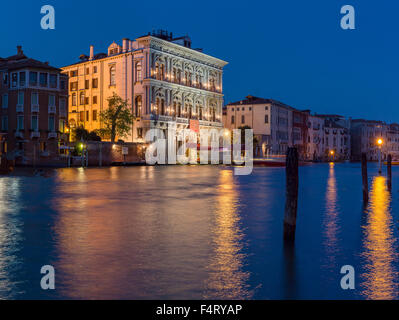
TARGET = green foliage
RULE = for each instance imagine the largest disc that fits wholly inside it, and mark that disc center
(81, 134)
(117, 119)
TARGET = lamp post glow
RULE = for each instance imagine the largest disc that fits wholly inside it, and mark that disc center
(332, 153)
(379, 143)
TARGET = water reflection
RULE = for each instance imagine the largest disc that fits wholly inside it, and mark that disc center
(379, 279)
(331, 221)
(10, 236)
(227, 279)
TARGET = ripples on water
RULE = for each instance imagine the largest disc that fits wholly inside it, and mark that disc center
(196, 232)
(380, 280)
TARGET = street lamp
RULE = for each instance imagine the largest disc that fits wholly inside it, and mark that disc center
(379, 143)
(332, 153)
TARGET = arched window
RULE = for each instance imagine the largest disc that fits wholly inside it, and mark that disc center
(157, 106)
(162, 75)
(157, 70)
(190, 111)
(139, 75)
(179, 110)
(212, 84)
(178, 79)
(162, 107)
(73, 99)
(112, 71)
(138, 106)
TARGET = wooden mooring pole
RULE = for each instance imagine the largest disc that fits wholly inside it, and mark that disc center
(365, 179)
(389, 172)
(291, 193)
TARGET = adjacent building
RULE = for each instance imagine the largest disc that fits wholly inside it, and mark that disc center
(337, 142)
(366, 133)
(315, 147)
(33, 110)
(166, 82)
(278, 126)
(271, 121)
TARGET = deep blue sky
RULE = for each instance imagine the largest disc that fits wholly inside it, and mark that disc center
(292, 51)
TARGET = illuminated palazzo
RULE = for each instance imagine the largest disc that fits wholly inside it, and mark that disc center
(166, 82)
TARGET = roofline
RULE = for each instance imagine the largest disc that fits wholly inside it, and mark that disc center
(178, 46)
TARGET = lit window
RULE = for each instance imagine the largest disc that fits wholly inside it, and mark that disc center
(138, 106)
(138, 71)
(94, 83)
(82, 98)
(112, 76)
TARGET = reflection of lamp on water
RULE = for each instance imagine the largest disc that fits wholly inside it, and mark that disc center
(379, 245)
(332, 153)
(379, 143)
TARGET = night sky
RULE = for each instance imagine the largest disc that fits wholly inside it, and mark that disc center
(292, 51)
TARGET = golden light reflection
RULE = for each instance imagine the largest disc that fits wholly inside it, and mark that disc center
(227, 279)
(379, 244)
(331, 223)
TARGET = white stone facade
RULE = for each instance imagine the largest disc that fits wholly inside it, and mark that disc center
(167, 83)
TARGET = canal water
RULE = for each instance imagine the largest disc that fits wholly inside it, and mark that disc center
(196, 232)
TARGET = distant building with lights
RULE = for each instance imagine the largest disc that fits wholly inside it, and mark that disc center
(278, 126)
(366, 133)
(166, 82)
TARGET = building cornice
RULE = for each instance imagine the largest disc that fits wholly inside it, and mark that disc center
(181, 51)
(183, 88)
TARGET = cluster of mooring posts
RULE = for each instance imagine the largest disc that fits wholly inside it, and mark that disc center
(291, 191)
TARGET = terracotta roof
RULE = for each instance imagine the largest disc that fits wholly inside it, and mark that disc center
(25, 63)
(256, 100)
(20, 60)
(332, 124)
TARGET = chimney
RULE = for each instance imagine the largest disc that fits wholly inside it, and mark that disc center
(91, 53)
(124, 44)
(19, 50)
